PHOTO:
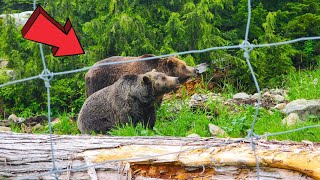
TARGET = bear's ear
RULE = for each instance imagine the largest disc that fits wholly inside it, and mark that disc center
(154, 70)
(146, 80)
(170, 64)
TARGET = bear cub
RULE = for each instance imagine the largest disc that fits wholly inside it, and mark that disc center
(103, 76)
(131, 98)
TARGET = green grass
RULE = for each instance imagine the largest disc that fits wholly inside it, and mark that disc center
(272, 124)
(64, 126)
(236, 123)
(169, 123)
(304, 84)
(130, 130)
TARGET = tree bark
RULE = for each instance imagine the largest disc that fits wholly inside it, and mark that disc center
(24, 155)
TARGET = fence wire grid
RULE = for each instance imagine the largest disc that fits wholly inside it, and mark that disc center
(246, 46)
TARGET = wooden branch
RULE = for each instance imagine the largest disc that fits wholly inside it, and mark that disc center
(29, 154)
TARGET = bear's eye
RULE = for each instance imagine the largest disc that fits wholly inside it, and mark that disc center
(163, 78)
(184, 67)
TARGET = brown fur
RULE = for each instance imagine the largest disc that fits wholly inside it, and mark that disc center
(132, 97)
(103, 76)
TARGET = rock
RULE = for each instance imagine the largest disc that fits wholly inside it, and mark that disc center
(281, 92)
(241, 95)
(198, 100)
(194, 135)
(12, 74)
(37, 127)
(31, 121)
(216, 97)
(267, 95)
(3, 63)
(13, 118)
(176, 108)
(21, 120)
(216, 130)
(199, 97)
(280, 106)
(25, 128)
(303, 108)
(4, 128)
(55, 121)
(228, 102)
(291, 120)
(6, 123)
(255, 96)
(264, 90)
(201, 68)
(20, 18)
(278, 98)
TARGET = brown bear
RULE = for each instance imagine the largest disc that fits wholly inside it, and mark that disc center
(132, 97)
(103, 76)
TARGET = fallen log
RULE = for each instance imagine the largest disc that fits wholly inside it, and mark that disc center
(23, 155)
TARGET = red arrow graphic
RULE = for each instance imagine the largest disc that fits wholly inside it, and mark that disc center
(42, 28)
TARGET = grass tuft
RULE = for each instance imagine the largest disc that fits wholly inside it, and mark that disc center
(304, 84)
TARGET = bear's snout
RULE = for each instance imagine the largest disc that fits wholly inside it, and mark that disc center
(192, 70)
(172, 83)
(175, 81)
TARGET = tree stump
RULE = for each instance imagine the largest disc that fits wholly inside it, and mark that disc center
(23, 155)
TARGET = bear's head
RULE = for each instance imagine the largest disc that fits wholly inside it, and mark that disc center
(178, 68)
(145, 88)
(161, 83)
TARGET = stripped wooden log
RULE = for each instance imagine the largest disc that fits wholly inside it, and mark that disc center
(23, 155)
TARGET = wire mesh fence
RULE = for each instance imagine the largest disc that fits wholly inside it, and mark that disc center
(246, 46)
